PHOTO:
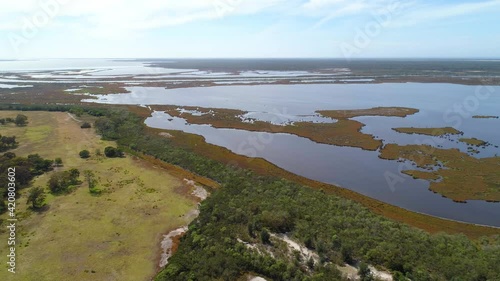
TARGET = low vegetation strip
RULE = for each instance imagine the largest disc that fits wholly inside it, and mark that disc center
(376, 111)
(473, 141)
(463, 177)
(436, 132)
(484, 117)
(340, 133)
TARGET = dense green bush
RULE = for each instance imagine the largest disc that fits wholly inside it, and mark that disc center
(21, 120)
(86, 125)
(112, 152)
(84, 154)
(26, 168)
(62, 182)
(7, 143)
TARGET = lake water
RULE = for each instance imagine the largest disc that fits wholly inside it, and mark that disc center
(362, 171)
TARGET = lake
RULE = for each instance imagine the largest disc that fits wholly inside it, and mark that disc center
(362, 171)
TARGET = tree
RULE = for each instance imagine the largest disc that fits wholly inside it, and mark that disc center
(78, 111)
(364, 272)
(7, 143)
(40, 165)
(58, 162)
(89, 178)
(310, 263)
(21, 120)
(265, 237)
(84, 154)
(346, 253)
(36, 197)
(86, 125)
(112, 152)
(63, 181)
(73, 176)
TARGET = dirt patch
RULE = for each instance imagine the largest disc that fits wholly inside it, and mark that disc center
(170, 243)
(165, 134)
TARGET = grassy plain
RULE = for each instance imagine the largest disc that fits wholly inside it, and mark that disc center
(79, 236)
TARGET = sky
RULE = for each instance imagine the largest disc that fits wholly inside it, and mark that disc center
(249, 29)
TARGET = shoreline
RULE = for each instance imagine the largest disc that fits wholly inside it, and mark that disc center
(420, 220)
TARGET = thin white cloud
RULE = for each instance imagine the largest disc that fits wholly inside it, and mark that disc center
(415, 12)
(431, 13)
(122, 15)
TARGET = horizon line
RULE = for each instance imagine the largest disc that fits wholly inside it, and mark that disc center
(255, 58)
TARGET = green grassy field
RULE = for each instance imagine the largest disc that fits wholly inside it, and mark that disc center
(79, 236)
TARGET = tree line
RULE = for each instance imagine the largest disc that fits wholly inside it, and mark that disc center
(26, 169)
(20, 120)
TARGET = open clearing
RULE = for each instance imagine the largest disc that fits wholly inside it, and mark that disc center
(84, 237)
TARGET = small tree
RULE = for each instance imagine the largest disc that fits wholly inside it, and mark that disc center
(73, 176)
(78, 111)
(86, 125)
(62, 182)
(364, 272)
(112, 152)
(84, 154)
(265, 237)
(89, 178)
(58, 162)
(21, 120)
(346, 253)
(36, 197)
(310, 263)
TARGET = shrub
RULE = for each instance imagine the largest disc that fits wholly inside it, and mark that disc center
(84, 154)
(265, 237)
(21, 120)
(36, 197)
(58, 162)
(112, 152)
(63, 181)
(86, 125)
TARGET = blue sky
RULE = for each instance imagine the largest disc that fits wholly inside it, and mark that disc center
(249, 28)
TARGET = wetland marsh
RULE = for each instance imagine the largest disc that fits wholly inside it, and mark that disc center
(267, 121)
